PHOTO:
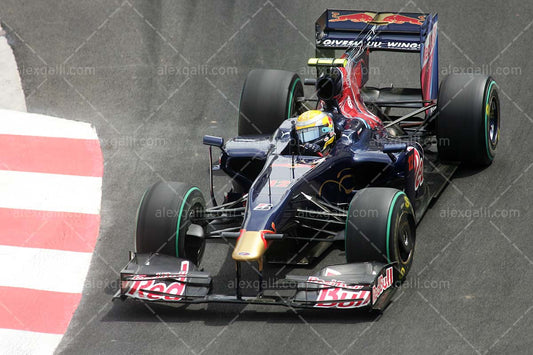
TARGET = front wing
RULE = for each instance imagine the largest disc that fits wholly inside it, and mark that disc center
(167, 279)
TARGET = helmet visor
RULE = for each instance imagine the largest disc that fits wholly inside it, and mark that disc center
(310, 134)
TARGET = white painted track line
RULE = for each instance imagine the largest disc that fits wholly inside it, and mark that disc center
(23, 342)
(50, 192)
(43, 269)
(32, 124)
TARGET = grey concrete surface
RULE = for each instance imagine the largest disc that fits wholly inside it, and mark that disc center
(12, 97)
(128, 67)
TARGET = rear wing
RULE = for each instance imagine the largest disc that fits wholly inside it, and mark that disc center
(339, 29)
(401, 31)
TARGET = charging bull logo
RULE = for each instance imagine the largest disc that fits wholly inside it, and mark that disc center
(381, 19)
(358, 17)
(144, 289)
(400, 19)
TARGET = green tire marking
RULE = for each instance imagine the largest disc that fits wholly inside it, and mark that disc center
(391, 208)
(291, 97)
(179, 216)
(491, 157)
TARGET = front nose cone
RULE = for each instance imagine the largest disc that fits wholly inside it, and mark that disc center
(250, 246)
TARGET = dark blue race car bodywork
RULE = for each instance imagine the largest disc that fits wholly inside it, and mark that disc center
(289, 207)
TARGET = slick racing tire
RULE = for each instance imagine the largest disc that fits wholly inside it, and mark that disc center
(468, 119)
(163, 218)
(380, 226)
(268, 98)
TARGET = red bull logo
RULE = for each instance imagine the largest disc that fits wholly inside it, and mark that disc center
(400, 19)
(148, 288)
(383, 19)
(357, 17)
(383, 283)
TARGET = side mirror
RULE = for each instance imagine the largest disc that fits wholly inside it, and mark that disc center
(213, 141)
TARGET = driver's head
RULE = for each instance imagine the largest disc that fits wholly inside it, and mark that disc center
(315, 127)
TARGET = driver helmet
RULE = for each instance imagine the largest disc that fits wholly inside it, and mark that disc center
(315, 127)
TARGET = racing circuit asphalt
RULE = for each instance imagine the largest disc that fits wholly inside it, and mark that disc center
(470, 287)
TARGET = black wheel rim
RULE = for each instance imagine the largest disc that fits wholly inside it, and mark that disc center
(405, 241)
(493, 121)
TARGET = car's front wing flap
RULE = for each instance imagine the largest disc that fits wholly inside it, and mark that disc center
(162, 278)
(155, 277)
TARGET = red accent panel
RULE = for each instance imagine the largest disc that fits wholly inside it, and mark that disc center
(263, 232)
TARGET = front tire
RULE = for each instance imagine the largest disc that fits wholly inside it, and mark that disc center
(163, 217)
(380, 226)
(468, 121)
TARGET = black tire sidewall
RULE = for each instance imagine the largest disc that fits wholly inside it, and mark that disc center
(163, 204)
(375, 237)
(267, 99)
(462, 123)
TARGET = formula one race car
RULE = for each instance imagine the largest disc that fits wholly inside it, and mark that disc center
(346, 174)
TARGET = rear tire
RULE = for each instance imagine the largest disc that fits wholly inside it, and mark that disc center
(381, 227)
(268, 98)
(163, 218)
(468, 121)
